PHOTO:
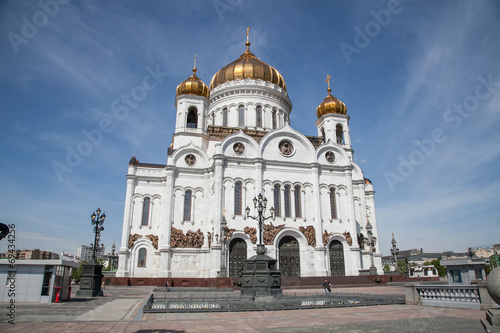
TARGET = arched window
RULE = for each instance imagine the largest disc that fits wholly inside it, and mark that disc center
(298, 212)
(323, 134)
(340, 134)
(287, 201)
(187, 205)
(275, 122)
(259, 116)
(277, 201)
(145, 210)
(224, 117)
(241, 115)
(192, 118)
(333, 208)
(237, 198)
(141, 260)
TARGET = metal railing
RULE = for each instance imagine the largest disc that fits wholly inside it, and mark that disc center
(165, 302)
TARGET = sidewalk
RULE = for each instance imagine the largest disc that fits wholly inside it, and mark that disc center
(120, 310)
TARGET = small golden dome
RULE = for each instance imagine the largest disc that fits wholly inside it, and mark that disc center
(247, 66)
(330, 104)
(193, 86)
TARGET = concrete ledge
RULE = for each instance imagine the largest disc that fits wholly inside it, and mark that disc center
(451, 304)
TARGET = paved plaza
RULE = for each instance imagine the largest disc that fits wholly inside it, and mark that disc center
(120, 310)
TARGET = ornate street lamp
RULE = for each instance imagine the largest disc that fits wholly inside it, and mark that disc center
(394, 251)
(97, 220)
(90, 282)
(371, 241)
(260, 277)
(260, 204)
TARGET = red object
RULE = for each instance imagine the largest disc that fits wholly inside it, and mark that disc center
(58, 289)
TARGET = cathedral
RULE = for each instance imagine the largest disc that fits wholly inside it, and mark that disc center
(195, 216)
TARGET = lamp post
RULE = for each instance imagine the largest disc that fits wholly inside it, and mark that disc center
(394, 252)
(97, 220)
(260, 204)
(371, 243)
(261, 278)
(90, 282)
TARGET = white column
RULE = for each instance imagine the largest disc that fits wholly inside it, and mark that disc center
(124, 252)
(338, 204)
(351, 214)
(193, 206)
(231, 200)
(317, 209)
(167, 204)
(218, 175)
(258, 177)
(282, 194)
(244, 200)
(303, 203)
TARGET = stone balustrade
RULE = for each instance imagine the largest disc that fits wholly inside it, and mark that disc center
(455, 296)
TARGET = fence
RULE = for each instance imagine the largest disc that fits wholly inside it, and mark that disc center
(163, 302)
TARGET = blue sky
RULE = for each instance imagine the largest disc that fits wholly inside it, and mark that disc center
(420, 79)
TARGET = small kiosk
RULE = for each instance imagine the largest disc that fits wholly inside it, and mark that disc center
(42, 281)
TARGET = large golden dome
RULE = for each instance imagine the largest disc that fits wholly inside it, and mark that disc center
(247, 66)
(330, 105)
(193, 86)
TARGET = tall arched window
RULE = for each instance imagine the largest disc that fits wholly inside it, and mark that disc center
(333, 208)
(237, 198)
(296, 191)
(145, 210)
(141, 259)
(323, 134)
(192, 118)
(340, 134)
(224, 117)
(259, 116)
(277, 201)
(241, 115)
(187, 205)
(275, 122)
(287, 201)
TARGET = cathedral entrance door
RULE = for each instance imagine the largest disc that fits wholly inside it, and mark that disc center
(289, 256)
(337, 258)
(237, 257)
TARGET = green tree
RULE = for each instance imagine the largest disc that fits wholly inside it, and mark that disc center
(437, 264)
(402, 269)
(487, 269)
(76, 273)
(387, 268)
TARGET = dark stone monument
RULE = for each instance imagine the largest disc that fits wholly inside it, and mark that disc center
(91, 280)
(260, 276)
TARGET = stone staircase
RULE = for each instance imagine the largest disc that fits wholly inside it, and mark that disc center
(492, 322)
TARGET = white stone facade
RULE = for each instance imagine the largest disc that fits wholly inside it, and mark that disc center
(215, 167)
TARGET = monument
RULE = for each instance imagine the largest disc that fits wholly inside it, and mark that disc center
(260, 277)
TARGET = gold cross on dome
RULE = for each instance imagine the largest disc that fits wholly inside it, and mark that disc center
(195, 60)
(328, 77)
(367, 217)
(248, 30)
(224, 213)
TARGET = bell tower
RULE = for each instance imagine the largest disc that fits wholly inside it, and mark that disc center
(192, 103)
(333, 121)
